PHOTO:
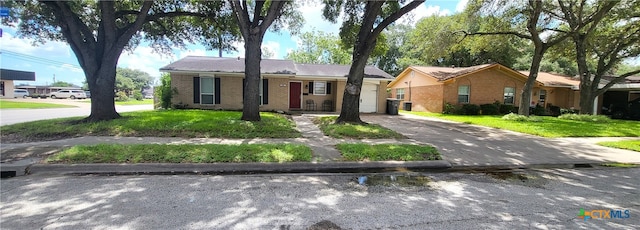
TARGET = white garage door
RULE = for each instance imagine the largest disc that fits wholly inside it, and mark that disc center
(369, 98)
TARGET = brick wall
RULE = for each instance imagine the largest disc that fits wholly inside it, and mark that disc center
(426, 98)
(486, 87)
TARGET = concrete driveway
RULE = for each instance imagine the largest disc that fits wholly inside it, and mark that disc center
(13, 116)
(470, 145)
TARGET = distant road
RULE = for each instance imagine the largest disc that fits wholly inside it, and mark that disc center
(13, 116)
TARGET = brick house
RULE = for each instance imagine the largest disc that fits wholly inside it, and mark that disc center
(217, 83)
(430, 88)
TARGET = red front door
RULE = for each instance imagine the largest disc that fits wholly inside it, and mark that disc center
(295, 90)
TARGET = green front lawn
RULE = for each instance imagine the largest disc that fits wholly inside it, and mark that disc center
(630, 145)
(366, 131)
(548, 126)
(166, 123)
(130, 102)
(388, 152)
(158, 153)
(7, 104)
(135, 102)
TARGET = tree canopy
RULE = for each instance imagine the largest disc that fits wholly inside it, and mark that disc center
(98, 32)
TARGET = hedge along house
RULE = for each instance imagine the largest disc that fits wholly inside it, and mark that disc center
(217, 83)
(430, 88)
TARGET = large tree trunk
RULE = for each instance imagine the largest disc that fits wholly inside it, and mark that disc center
(253, 56)
(587, 91)
(101, 78)
(525, 98)
(350, 112)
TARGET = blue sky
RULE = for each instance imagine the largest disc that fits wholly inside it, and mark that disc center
(55, 59)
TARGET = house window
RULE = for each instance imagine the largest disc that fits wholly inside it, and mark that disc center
(207, 94)
(543, 97)
(261, 87)
(400, 94)
(509, 95)
(319, 88)
(463, 94)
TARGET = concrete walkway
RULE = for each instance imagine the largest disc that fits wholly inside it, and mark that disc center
(460, 144)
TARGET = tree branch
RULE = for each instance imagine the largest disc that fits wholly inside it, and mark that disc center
(241, 15)
(274, 12)
(616, 81)
(395, 16)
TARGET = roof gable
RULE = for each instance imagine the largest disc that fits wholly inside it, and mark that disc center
(267, 66)
(443, 74)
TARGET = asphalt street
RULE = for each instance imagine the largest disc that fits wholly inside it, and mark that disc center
(541, 199)
(13, 116)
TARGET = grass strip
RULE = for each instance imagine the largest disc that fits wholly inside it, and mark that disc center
(548, 126)
(388, 152)
(6, 104)
(355, 131)
(164, 123)
(162, 153)
(629, 145)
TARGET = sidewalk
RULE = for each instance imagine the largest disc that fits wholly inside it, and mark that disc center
(461, 146)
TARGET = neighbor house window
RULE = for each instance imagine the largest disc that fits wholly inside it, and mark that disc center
(319, 88)
(400, 94)
(207, 94)
(463, 94)
(509, 95)
(543, 97)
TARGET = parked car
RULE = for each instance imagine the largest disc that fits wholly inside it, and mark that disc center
(73, 94)
(631, 111)
(88, 93)
(23, 93)
(148, 96)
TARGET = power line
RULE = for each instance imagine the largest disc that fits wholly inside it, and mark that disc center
(39, 60)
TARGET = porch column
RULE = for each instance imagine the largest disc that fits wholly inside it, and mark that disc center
(595, 106)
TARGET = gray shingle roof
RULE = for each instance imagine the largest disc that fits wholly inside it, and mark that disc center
(267, 66)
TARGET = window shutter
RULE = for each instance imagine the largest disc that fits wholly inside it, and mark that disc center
(265, 91)
(217, 90)
(243, 85)
(328, 87)
(310, 87)
(196, 90)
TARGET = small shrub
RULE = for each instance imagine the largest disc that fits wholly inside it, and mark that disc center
(506, 109)
(164, 91)
(449, 109)
(518, 117)
(586, 117)
(470, 109)
(489, 109)
(568, 111)
(554, 110)
(539, 111)
(137, 95)
(121, 96)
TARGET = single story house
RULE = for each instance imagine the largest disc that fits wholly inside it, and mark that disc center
(430, 88)
(7, 76)
(217, 83)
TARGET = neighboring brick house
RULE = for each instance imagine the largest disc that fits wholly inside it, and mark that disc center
(430, 88)
(217, 83)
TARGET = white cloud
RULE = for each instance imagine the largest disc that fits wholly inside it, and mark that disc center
(273, 47)
(144, 59)
(462, 4)
(312, 13)
(420, 12)
(26, 46)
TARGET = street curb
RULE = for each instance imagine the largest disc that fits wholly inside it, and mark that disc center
(234, 168)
